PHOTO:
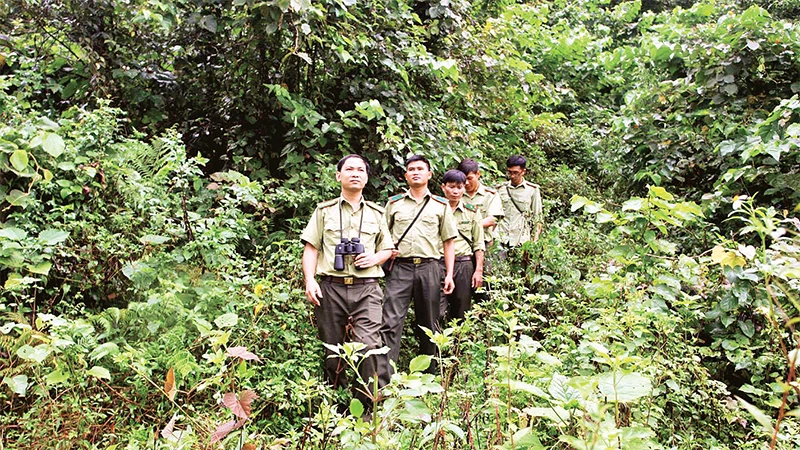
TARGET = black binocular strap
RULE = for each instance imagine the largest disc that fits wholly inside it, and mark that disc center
(514, 201)
(397, 244)
(360, 223)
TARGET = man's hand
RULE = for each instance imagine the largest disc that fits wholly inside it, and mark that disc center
(449, 285)
(477, 279)
(363, 261)
(313, 292)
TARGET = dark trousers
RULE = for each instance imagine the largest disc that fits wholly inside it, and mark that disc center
(350, 313)
(458, 302)
(421, 283)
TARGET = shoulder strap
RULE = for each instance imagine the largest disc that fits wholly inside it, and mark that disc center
(469, 242)
(514, 201)
(412, 222)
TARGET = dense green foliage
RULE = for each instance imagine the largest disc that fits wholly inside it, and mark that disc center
(159, 159)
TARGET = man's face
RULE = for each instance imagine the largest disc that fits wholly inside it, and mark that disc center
(473, 181)
(353, 175)
(418, 174)
(453, 191)
(515, 174)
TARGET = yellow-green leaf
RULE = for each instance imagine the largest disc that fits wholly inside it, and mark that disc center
(19, 160)
(99, 372)
(725, 257)
(43, 268)
(660, 192)
(53, 144)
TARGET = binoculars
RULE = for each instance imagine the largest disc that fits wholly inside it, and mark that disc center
(346, 247)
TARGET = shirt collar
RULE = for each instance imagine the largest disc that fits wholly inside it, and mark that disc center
(480, 191)
(360, 204)
(408, 194)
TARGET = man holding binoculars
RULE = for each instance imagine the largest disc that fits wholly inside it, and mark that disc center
(346, 241)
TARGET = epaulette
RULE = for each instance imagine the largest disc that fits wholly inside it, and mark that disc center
(441, 200)
(532, 184)
(490, 190)
(470, 206)
(327, 203)
(376, 207)
(396, 198)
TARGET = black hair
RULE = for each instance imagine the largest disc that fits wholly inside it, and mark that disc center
(469, 166)
(454, 176)
(516, 160)
(415, 158)
(352, 155)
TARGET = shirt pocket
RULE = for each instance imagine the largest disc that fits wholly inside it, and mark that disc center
(465, 227)
(429, 225)
(331, 233)
(369, 233)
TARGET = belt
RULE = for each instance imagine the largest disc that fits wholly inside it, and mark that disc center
(349, 280)
(416, 260)
(463, 258)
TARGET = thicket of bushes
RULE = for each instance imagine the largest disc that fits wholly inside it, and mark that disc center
(159, 159)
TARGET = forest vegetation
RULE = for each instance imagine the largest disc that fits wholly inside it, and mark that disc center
(159, 158)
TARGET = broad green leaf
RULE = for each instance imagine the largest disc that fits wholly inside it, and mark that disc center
(42, 268)
(209, 22)
(18, 198)
(725, 257)
(53, 144)
(38, 353)
(561, 391)
(53, 237)
(556, 414)
(420, 363)
(19, 160)
(153, 239)
(12, 233)
(45, 123)
(18, 384)
(578, 202)
(47, 175)
(107, 348)
(633, 204)
(525, 439)
(763, 419)
(605, 217)
(747, 327)
(356, 407)
(623, 387)
(56, 377)
(661, 193)
(416, 411)
(99, 372)
(526, 387)
(227, 320)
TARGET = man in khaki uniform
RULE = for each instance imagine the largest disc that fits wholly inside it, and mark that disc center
(348, 298)
(469, 244)
(482, 197)
(416, 273)
(522, 202)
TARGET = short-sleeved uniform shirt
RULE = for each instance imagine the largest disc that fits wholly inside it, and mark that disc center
(434, 225)
(323, 233)
(523, 207)
(470, 230)
(487, 201)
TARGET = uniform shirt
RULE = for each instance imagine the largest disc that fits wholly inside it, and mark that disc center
(468, 220)
(322, 232)
(487, 201)
(515, 228)
(434, 226)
